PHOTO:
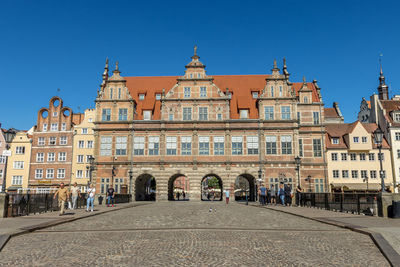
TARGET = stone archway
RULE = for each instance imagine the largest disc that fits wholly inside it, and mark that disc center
(145, 188)
(211, 188)
(178, 187)
(245, 184)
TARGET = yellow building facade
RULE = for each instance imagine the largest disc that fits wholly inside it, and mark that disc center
(19, 161)
(83, 147)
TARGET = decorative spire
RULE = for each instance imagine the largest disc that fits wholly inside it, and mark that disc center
(383, 89)
(195, 50)
(304, 80)
(285, 72)
(116, 68)
(275, 65)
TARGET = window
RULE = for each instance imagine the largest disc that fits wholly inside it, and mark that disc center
(105, 145)
(364, 174)
(2, 159)
(19, 165)
(344, 156)
(187, 114)
(63, 140)
(271, 145)
(158, 96)
(121, 144)
(44, 127)
(171, 145)
(123, 114)
(383, 174)
(203, 113)
(138, 145)
(354, 174)
(204, 145)
(54, 127)
(1, 174)
(49, 173)
(319, 185)
(62, 156)
(280, 91)
(244, 113)
(186, 92)
(371, 156)
(80, 159)
(141, 96)
(353, 156)
(186, 145)
(355, 139)
(61, 173)
(55, 114)
(90, 120)
(219, 145)
(89, 144)
(106, 114)
(255, 95)
(203, 91)
(51, 157)
(335, 140)
(38, 173)
(81, 144)
(316, 117)
(154, 144)
(39, 157)
(300, 147)
(298, 116)
(41, 141)
(335, 173)
(397, 136)
(79, 174)
(286, 144)
(305, 99)
(87, 173)
(84, 130)
(88, 158)
(219, 116)
(20, 150)
(111, 93)
(52, 141)
(237, 145)
(398, 153)
(285, 113)
(362, 157)
(252, 145)
(146, 115)
(119, 93)
(269, 113)
(334, 156)
(171, 116)
(397, 117)
(372, 174)
(272, 91)
(381, 155)
(345, 174)
(16, 180)
(63, 126)
(364, 139)
(317, 147)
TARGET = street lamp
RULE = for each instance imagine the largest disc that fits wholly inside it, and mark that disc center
(308, 179)
(90, 168)
(297, 161)
(378, 136)
(8, 136)
(130, 182)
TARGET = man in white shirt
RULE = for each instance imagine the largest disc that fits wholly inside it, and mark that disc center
(75, 192)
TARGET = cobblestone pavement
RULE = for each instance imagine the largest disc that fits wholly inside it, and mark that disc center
(187, 234)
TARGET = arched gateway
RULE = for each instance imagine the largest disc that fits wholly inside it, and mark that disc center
(211, 188)
(178, 187)
(245, 184)
(145, 188)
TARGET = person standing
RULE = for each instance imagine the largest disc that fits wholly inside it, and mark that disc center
(63, 196)
(110, 196)
(268, 196)
(227, 196)
(90, 200)
(273, 195)
(281, 194)
(75, 192)
(299, 192)
(263, 192)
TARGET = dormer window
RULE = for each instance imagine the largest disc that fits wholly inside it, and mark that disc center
(397, 117)
(147, 115)
(141, 96)
(198, 75)
(158, 96)
(244, 113)
(356, 139)
(255, 94)
(186, 92)
(203, 91)
(55, 114)
(364, 139)
(335, 140)
(305, 99)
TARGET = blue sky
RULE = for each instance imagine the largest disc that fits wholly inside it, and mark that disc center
(47, 45)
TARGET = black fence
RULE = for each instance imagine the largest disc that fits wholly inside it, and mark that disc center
(357, 203)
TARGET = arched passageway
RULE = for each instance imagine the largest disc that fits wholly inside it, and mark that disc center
(178, 187)
(145, 188)
(211, 188)
(245, 184)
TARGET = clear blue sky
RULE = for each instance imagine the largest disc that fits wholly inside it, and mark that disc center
(47, 45)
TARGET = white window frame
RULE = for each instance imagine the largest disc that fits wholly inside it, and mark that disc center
(105, 145)
(81, 144)
(218, 148)
(51, 157)
(62, 156)
(121, 145)
(203, 113)
(252, 145)
(171, 145)
(50, 174)
(271, 147)
(41, 141)
(186, 145)
(63, 140)
(138, 145)
(16, 180)
(204, 145)
(154, 145)
(79, 159)
(269, 113)
(286, 145)
(187, 113)
(186, 92)
(40, 157)
(60, 173)
(20, 150)
(203, 91)
(54, 127)
(89, 144)
(237, 145)
(18, 165)
(39, 174)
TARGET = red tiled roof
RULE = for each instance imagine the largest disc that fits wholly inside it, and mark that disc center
(331, 113)
(241, 87)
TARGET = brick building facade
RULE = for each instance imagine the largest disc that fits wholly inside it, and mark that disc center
(198, 126)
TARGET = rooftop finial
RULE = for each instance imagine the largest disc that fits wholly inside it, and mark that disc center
(284, 63)
(195, 50)
(275, 65)
(106, 67)
(116, 66)
(304, 80)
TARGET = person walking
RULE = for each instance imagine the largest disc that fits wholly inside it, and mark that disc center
(268, 196)
(227, 196)
(263, 192)
(299, 192)
(281, 194)
(110, 196)
(273, 195)
(75, 193)
(287, 190)
(90, 200)
(63, 196)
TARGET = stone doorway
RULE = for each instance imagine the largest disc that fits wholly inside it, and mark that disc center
(145, 188)
(178, 188)
(245, 184)
(211, 188)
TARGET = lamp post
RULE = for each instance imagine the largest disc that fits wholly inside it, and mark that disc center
(378, 136)
(8, 136)
(297, 161)
(130, 182)
(90, 168)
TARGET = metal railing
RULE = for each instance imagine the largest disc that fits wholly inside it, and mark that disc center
(358, 203)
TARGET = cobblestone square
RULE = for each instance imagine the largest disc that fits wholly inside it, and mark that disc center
(188, 234)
